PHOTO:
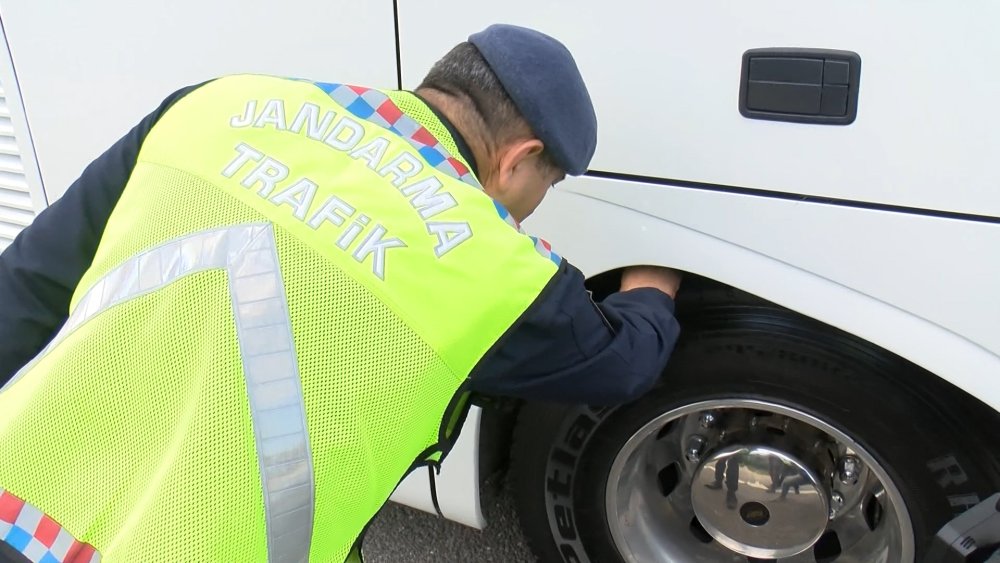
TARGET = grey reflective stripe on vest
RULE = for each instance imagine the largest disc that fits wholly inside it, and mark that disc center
(249, 255)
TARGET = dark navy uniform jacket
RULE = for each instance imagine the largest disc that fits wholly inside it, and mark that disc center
(565, 348)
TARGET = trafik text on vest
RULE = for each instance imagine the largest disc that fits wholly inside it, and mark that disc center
(279, 185)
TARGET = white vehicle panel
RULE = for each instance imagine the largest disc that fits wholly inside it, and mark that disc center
(89, 71)
(893, 279)
(21, 195)
(665, 77)
(916, 263)
(457, 484)
(415, 491)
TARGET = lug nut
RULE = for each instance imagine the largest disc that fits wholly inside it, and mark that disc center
(849, 470)
(836, 503)
(695, 447)
(707, 420)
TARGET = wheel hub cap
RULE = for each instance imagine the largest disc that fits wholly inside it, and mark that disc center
(760, 501)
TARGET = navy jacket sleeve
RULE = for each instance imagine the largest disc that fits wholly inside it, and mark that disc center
(567, 348)
(40, 270)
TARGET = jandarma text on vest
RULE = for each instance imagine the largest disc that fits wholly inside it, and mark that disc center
(269, 174)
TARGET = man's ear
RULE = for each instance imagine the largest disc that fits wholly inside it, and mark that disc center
(514, 155)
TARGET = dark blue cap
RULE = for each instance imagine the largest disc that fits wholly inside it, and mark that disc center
(542, 79)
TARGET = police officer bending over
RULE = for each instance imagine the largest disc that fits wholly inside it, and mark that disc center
(248, 319)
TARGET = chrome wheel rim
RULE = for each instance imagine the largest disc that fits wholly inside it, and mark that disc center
(662, 502)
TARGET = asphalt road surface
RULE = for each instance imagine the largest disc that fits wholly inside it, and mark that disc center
(401, 534)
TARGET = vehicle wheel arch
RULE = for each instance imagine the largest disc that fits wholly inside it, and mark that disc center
(701, 296)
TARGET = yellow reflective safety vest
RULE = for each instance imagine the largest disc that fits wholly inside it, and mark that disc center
(279, 323)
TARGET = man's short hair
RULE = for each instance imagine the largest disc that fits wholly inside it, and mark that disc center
(465, 75)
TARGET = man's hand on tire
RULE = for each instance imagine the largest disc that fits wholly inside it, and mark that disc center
(666, 280)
